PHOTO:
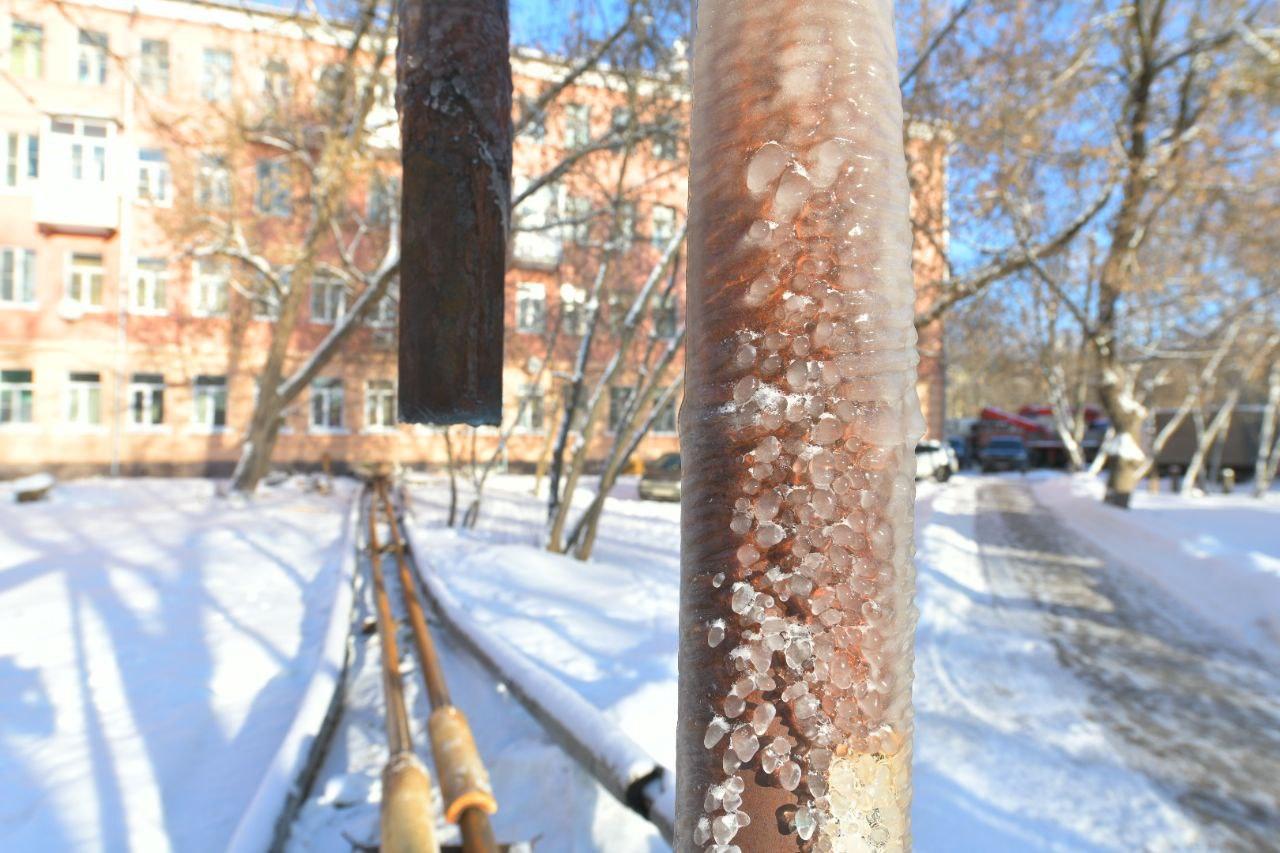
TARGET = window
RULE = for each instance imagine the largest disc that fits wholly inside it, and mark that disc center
(384, 195)
(531, 307)
(272, 198)
(379, 405)
(383, 314)
(573, 310)
(146, 400)
(26, 49)
(213, 181)
(276, 84)
(664, 225)
(535, 127)
(84, 399)
(149, 282)
(328, 298)
(16, 392)
(80, 147)
(17, 277)
(215, 77)
(620, 119)
(619, 400)
(577, 125)
(329, 89)
(154, 184)
(531, 409)
(665, 421)
(538, 235)
(84, 282)
(326, 405)
(577, 219)
(209, 293)
(665, 147)
(91, 58)
(19, 158)
(209, 401)
(666, 316)
(153, 70)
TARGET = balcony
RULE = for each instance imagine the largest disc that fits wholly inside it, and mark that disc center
(537, 249)
(68, 207)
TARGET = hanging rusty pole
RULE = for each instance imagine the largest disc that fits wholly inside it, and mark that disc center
(798, 429)
(464, 782)
(407, 814)
(454, 93)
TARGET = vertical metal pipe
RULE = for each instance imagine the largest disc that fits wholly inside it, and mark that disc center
(798, 430)
(454, 93)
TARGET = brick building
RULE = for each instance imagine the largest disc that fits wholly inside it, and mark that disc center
(121, 350)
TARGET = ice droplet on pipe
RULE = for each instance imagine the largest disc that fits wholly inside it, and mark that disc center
(799, 425)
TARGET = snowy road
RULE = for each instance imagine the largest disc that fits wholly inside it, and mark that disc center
(1179, 703)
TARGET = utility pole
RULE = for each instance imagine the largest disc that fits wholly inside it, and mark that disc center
(454, 93)
(798, 432)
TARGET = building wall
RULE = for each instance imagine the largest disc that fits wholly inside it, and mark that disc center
(56, 218)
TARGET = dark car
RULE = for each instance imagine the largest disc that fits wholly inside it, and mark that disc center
(1004, 453)
(661, 478)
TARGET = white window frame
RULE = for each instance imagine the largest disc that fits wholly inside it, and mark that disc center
(154, 69)
(25, 70)
(675, 420)
(577, 125)
(385, 313)
(668, 303)
(272, 175)
(215, 77)
(380, 405)
(328, 298)
(213, 181)
(277, 85)
(206, 397)
(84, 144)
(19, 160)
(614, 412)
(534, 402)
(531, 293)
(327, 392)
(572, 295)
(17, 395)
(577, 219)
(18, 277)
(149, 290)
(75, 281)
(664, 225)
(90, 59)
(210, 276)
(155, 179)
(145, 396)
(83, 409)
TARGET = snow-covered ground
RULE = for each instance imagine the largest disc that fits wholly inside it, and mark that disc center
(155, 644)
(1219, 554)
(1006, 758)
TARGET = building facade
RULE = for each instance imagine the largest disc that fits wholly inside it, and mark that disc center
(123, 348)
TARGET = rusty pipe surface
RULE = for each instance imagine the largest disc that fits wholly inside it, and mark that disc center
(407, 816)
(454, 94)
(798, 431)
(464, 782)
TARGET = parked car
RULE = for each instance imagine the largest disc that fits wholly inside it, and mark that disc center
(937, 460)
(661, 479)
(1004, 453)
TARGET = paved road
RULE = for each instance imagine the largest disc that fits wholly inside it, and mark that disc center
(1197, 715)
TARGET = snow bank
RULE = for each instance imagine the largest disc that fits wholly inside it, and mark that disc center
(156, 643)
(617, 761)
(1220, 554)
(265, 824)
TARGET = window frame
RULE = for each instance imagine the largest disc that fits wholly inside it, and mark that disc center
(571, 294)
(214, 389)
(27, 28)
(329, 392)
(149, 275)
(70, 283)
(154, 392)
(88, 51)
(154, 68)
(532, 420)
(85, 395)
(323, 285)
(21, 265)
(577, 125)
(19, 162)
(216, 81)
(21, 395)
(618, 408)
(272, 174)
(153, 171)
(531, 292)
(379, 405)
(200, 280)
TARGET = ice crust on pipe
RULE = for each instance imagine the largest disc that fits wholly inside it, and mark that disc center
(801, 410)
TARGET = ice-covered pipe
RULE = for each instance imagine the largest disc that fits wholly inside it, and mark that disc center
(798, 428)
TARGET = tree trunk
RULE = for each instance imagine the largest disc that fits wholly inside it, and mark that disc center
(1268, 447)
(798, 430)
(1207, 439)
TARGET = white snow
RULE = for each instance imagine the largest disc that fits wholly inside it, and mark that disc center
(1219, 554)
(156, 644)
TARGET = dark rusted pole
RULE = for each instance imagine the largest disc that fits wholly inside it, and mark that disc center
(464, 783)
(797, 430)
(454, 93)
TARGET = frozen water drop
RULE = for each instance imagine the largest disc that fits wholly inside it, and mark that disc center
(724, 828)
(744, 743)
(789, 775)
(762, 716)
(716, 729)
(715, 634)
(805, 824)
(733, 706)
(769, 534)
(765, 166)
